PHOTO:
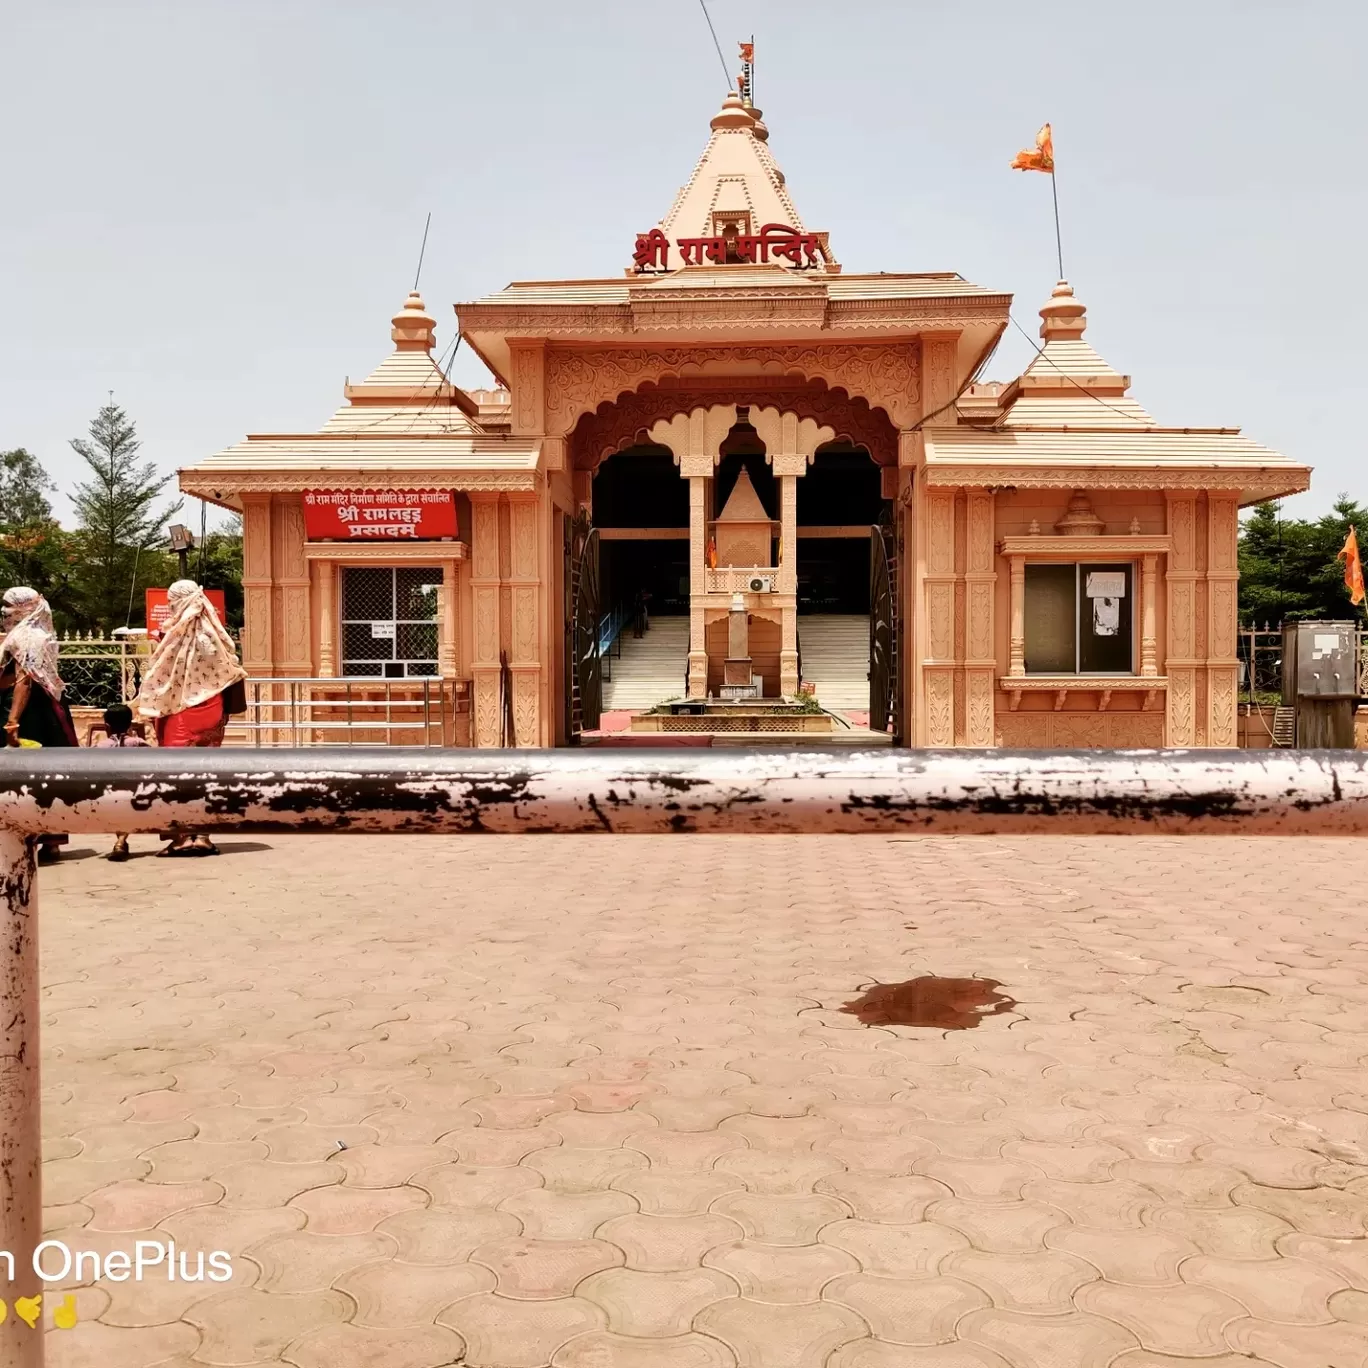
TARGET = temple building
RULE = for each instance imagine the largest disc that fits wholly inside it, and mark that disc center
(795, 475)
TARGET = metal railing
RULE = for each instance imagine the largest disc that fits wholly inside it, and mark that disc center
(350, 711)
(100, 670)
(591, 792)
(611, 627)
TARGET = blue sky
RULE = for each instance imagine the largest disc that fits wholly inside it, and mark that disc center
(213, 209)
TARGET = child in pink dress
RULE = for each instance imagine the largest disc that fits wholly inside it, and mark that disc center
(118, 729)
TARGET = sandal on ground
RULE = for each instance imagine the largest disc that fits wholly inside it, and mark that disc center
(118, 855)
(176, 852)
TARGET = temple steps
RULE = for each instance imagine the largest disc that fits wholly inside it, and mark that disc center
(651, 668)
(835, 649)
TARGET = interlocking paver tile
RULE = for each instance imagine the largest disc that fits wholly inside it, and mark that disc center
(610, 1117)
(766, 1336)
(501, 1332)
(1290, 1290)
(566, 1215)
(655, 1305)
(392, 1293)
(904, 1312)
(1179, 1320)
(783, 1274)
(248, 1327)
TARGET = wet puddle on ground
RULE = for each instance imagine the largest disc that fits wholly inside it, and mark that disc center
(945, 1004)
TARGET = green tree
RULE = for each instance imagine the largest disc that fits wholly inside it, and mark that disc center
(34, 550)
(119, 521)
(1288, 566)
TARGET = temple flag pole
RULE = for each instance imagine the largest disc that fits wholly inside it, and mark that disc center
(1041, 158)
(1059, 243)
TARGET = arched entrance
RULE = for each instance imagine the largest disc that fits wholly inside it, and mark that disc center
(733, 489)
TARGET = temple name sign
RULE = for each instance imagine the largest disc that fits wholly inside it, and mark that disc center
(778, 240)
(385, 514)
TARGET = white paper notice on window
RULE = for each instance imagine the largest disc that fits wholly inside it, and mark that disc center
(1106, 584)
(382, 631)
(1324, 644)
(1106, 616)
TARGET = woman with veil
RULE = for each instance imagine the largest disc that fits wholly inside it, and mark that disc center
(31, 687)
(183, 687)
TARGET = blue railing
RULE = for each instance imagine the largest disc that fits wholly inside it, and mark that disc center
(611, 627)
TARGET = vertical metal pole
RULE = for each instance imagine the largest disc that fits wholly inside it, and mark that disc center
(21, 1145)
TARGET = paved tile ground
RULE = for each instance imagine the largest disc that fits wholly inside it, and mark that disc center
(601, 1107)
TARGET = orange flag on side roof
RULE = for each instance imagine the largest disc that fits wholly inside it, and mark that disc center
(1042, 158)
(1353, 567)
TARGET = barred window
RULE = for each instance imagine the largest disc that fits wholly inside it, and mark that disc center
(389, 621)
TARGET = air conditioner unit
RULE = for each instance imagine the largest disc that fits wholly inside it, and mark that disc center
(761, 584)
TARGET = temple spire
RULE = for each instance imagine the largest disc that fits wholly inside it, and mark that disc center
(1062, 315)
(414, 328)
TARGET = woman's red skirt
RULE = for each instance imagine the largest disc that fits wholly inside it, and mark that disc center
(201, 725)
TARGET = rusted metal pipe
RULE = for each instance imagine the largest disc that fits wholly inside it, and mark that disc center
(631, 792)
(21, 1141)
(1291, 793)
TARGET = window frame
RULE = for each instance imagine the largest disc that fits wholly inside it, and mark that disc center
(343, 660)
(1133, 578)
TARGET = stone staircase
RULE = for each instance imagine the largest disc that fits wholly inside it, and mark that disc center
(651, 668)
(835, 651)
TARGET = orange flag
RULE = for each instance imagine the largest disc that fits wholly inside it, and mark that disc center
(747, 51)
(1353, 567)
(1042, 158)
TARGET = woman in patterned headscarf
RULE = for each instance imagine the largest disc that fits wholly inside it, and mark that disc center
(183, 685)
(31, 688)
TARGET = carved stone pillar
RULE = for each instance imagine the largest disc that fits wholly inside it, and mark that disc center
(1017, 663)
(1149, 593)
(448, 626)
(1182, 576)
(528, 366)
(788, 585)
(524, 662)
(484, 581)
(938, 587)
(695, 438)
(258, 615)
(327, 618)
(980, 591)
(698, 585)
(292, 652)
(1222, 576)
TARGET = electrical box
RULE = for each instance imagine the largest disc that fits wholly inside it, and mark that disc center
(1324, 655)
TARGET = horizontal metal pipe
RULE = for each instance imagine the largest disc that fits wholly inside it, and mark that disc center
(1292, 793)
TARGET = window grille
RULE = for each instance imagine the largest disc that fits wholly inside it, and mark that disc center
(389, 621)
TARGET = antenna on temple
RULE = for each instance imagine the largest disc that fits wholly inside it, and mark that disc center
(422, 251)
(702, 4)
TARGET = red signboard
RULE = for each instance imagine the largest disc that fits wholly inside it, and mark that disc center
(379, 514)
(157, 609)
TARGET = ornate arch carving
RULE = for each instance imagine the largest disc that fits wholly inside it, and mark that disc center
(616, 425)
(886, 375)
